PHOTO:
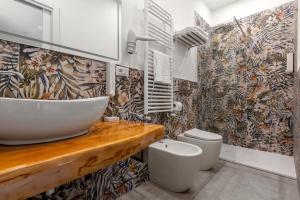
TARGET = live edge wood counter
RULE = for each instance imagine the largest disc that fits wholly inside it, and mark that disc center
(31, 169)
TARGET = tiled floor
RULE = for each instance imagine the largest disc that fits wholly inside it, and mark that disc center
(227, 181)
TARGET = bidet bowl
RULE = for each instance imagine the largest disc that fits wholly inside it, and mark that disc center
(173, 165)
(30, 121)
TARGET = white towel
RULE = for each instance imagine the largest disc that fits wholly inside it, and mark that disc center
(161, 67)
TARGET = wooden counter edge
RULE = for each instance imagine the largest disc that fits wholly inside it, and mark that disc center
(40, 178)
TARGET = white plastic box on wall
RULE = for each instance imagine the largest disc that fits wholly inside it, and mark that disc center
(110, 79)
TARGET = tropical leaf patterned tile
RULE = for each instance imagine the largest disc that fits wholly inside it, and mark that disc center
(128, 103)
(54, 75)
(106, 184)
(49, 74)
(9, 61)
(246, 95)
(185, 92)
(136, 93)
(199, 21)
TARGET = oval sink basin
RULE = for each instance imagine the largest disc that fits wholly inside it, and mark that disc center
(30, 121)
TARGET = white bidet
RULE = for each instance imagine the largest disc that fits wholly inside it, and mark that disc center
(173, 164)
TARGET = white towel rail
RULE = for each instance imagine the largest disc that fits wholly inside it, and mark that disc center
(159, 25)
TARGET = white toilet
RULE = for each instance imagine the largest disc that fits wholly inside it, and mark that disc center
(210, 143)
(173, 164)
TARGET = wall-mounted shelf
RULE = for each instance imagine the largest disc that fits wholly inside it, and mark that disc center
(191, 36)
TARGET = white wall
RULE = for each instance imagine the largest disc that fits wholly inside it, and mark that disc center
(185, 65)
(185, 62)
(132, 19)
(183, 11)
(243, 8)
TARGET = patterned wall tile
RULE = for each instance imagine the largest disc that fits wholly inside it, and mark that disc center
(120, 103)
(136, 93)
(9, 60)
(185, 92)
(246, 95)
(53, 75)
(106, 184)
(131, 107)
(49, 74)
(199, 21)
(128, 103)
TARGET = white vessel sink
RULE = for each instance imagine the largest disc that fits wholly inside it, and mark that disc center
(29, 121)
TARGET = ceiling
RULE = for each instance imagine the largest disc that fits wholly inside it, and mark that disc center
(215, 4)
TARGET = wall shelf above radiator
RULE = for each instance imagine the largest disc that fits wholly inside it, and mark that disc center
(191, 36)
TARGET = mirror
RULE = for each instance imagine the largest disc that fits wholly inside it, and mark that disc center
(88, 28)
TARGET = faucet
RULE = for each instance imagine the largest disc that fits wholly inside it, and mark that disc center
(166, 136)
(12, 73)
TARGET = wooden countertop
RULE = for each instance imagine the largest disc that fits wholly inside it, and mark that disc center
(31, 169)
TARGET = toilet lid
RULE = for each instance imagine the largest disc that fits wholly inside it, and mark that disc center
(204, 135)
